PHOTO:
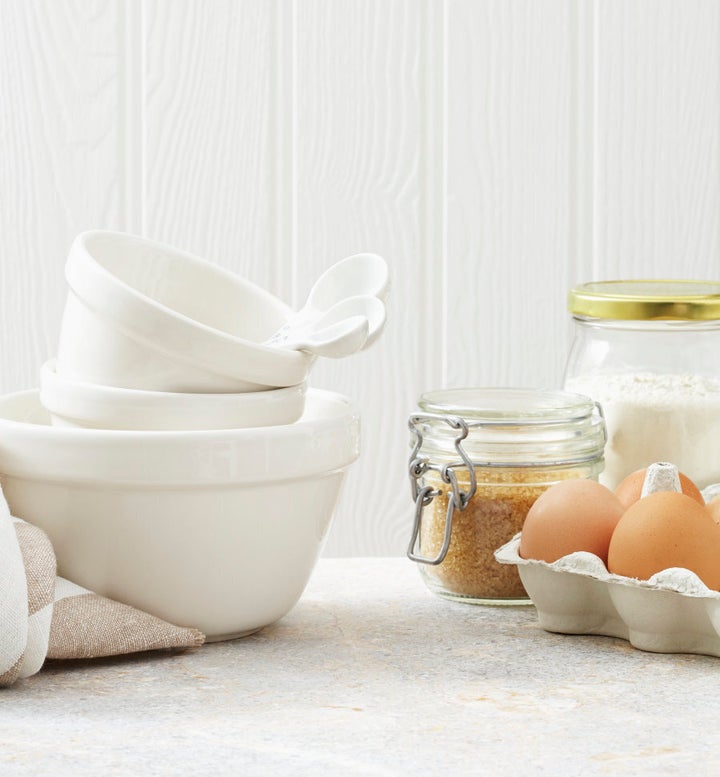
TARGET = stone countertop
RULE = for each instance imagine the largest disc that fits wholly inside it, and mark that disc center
(371, 674)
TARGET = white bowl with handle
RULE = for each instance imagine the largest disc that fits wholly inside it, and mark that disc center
(144, 315)
(219, 530)
(77, 404)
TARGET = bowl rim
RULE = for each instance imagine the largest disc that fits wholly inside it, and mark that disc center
(326, 438)
(52, 380)
(76, 402)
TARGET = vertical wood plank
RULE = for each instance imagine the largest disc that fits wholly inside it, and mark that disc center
(658, 144)
(217, 110)
(130, 115)
(512, 209)
(369, 178)
(59, 171)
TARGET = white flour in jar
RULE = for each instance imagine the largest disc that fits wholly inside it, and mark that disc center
(652, 417)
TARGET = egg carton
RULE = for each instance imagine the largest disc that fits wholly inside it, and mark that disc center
(672, 612)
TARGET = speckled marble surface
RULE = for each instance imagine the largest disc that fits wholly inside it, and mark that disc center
(371, 674)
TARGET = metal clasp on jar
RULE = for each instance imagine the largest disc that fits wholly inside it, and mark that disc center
(424, 495)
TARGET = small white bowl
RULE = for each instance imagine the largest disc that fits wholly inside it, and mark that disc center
(144, 315)
(219, 530)
(76, 404)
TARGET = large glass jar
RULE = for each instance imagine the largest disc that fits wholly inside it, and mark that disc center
(649, 353)
(480, 459)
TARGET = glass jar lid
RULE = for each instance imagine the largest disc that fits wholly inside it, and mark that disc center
(511, 426)
(647, 300)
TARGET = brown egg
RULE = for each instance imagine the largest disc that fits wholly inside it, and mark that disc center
(629, 490)
(570, 516)
(713, 507)
(664, 530)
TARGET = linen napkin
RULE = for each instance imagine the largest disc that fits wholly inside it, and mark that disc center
(45, 616)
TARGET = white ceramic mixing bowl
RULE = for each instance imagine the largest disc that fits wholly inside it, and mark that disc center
(218, 530)
(144, 315)
(77, 404)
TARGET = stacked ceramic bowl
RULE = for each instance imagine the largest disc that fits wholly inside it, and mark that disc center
(173, 454)
(155, 338)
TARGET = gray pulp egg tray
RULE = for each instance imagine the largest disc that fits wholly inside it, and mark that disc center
(673, 612)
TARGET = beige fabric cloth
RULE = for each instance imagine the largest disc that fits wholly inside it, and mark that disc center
(45, 616)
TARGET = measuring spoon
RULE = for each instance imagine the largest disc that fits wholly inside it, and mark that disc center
(348, 326)
(335, 340)
(357, 275)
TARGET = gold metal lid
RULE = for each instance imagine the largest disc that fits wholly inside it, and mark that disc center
(647, 300)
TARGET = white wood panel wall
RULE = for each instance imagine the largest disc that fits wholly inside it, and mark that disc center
(494, 151)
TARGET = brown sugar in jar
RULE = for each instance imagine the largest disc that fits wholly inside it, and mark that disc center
(481, 458)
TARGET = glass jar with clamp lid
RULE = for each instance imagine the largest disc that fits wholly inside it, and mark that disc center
(480, 458)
